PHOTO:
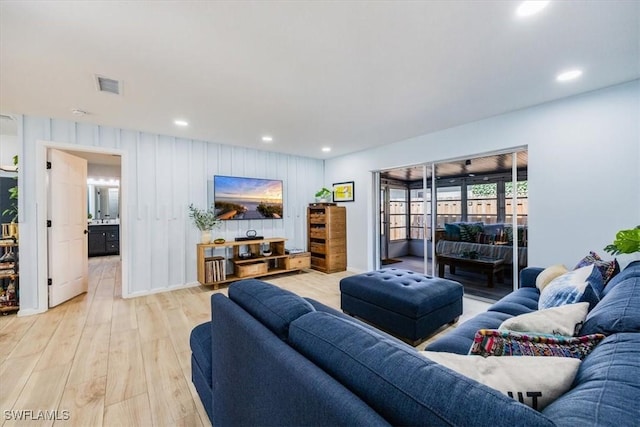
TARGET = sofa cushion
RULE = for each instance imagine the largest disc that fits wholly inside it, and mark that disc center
(520, 301)
(272, 306)
(564, 320)
(632, 270)
(200, 343)
(460, 338)
(397, 382)
(619, 309)
(606, 388)
(608, 269)
(583, 284)
(491, 342)
(534, 381)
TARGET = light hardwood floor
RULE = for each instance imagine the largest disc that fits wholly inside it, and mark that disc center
(103, 360)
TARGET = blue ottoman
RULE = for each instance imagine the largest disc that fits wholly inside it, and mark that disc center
(408, 305)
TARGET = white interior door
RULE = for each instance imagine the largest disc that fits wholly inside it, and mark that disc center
(67, 237)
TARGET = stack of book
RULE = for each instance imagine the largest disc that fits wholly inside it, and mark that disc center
(215, 269)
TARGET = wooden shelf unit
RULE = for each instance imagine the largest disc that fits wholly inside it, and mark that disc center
(244, 268)
(327, 236)
(9, 279)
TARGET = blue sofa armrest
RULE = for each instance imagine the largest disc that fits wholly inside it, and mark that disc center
(528, 276)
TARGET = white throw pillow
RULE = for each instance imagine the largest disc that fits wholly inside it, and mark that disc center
(534, 381)
(563, 320)
(548, 274)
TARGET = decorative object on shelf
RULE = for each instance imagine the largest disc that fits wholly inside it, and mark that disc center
(323, 195)
(219, 241)
(626, 242)
(265, 249)
(343, 192)
(204, 220)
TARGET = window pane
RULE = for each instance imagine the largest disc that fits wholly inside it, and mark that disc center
(482, 203)
(448, 205)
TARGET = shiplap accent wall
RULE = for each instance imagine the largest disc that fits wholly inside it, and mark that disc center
(165, 175)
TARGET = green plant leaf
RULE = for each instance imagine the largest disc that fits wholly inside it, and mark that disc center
(626, 242)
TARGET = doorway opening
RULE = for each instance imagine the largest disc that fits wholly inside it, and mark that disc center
(103, 166)
(455, 219)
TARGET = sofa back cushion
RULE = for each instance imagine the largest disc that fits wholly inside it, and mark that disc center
(398, 383)
(606, 388)
(619, 308)
(274, 307)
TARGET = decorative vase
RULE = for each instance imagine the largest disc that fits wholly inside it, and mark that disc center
(205, 236)
(13, 230)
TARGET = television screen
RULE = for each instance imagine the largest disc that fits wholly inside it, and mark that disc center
(247, 198)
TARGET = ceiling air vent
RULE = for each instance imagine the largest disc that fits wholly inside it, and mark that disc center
(106, 84)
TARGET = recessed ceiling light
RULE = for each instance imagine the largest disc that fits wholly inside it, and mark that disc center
(267, 138)
(326, 149)
(565, 76)
(528, 8)
(181, 123)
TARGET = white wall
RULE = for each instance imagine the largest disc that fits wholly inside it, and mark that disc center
(8, 148)
(166, 174)
(584, 174)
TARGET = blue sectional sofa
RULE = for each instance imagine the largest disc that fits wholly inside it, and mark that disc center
(269, 357)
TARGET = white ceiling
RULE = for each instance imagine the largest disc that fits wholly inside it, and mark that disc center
(350, 75)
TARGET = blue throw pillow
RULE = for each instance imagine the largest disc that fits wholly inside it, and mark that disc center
(608, 269)
(452, 231)
(581, 285)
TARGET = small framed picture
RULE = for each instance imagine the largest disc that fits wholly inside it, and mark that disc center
(343, 192)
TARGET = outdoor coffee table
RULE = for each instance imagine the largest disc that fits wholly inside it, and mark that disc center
(490, 266)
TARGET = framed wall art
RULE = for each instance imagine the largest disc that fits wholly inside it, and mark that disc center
(343, 192)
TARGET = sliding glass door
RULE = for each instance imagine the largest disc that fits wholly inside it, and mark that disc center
(462, 212)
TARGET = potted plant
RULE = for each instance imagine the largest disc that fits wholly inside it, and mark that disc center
(626, 242)
(323, 195)
(204, 220)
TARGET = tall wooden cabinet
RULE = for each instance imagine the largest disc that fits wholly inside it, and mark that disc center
(327, 234)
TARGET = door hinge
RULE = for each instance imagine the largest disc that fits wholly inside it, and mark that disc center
(48, 223)
(49, 282)
(48, 165)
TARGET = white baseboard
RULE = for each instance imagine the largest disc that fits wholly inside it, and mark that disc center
(161, 290)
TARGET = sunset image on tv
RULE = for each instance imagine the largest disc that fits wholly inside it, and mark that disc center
(247, 198)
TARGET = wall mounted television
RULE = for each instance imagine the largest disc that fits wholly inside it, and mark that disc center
(237, 197)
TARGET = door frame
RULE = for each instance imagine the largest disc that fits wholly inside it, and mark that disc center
(42, 213)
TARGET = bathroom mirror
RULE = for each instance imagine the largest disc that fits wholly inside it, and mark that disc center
(103, 202)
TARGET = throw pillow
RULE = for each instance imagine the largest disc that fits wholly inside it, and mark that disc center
(491, 342)
(564, 320)
(452, 231)
(486, 239)
(608, 269)
(534, 381)
(469, 232)
(548, 274)
(583, 284)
